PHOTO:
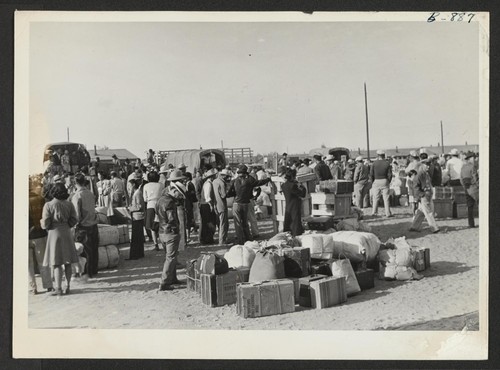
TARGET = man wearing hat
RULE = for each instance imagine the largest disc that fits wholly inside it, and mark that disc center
(321, 169)
(361, 178)
(413, 165)
(435, 171)
(454, 167)
(207, 208)
(176, 179)
(470, 182)
(334, 167)
(169, 231)
(381, 176)
(220, 185)
(304, 168)
(423, 195)
(241, 188)
(349, 170)
(283, 161)
(182, 167)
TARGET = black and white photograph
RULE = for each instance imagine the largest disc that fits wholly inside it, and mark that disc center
(210, 185)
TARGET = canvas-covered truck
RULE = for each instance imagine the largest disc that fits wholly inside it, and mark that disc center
(79, 156)
(196, 159)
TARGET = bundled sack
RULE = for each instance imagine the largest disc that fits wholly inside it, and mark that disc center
(343, 268)
(253, 245)
(395, 272)
(284, 239)
(102, 215)
(240, 256)
(352, 224)
(108, 235)
(211, 263)
(267, 265)
(321, 245)
(355, 245)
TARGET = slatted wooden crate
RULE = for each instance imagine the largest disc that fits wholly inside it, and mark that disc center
(327, 204)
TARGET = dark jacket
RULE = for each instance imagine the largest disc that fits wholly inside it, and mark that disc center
(323, 171)
(381, 169)
(361, 174)
(241, 188)
(166, 209)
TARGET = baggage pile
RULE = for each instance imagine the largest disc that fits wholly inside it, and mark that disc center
(273, 276)
(450, 201)
(110, 237)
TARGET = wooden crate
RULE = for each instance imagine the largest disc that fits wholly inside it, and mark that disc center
(327, 204)
(461, 211)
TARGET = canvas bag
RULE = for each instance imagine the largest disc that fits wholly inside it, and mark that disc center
(267, 265)
(240, 256)
(343, 268)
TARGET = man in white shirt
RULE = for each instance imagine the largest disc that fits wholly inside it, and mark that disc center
(454, 167)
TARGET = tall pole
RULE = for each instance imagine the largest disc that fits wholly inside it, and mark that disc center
(367, 131)
(222, 144)
(442, 142)
(67, 132)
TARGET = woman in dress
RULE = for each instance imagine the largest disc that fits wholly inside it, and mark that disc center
(103, 190)
(137, 211)
(58, 217)
(151, 193)
(293, 191)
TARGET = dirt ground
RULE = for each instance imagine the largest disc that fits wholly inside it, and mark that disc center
(447, 298)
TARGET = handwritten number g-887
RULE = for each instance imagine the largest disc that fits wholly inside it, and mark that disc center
(455, 17)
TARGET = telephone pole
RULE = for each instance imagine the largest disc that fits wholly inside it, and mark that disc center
(367, 130)
(442, 142)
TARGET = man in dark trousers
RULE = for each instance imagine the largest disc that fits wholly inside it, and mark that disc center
(169, 233)
(293, 191)
(84, 202)
(241, 188)
(361, 174)
(321, 169)
(381, 176)
(469, 180)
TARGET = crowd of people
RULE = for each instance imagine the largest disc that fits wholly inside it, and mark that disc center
(172, 205)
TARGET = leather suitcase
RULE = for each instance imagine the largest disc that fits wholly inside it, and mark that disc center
(265, 298)
(328, 292)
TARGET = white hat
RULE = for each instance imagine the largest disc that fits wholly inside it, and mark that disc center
(380, 152)
(329, 157)
(454, 151)
(225, 172)
(423, 150)
(359, 158)
(209, 173)
(414, 154)
(181, 166)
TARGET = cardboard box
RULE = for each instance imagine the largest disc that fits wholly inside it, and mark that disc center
(218, 290)
(328, 292)
(304, 289)
(265, 298)
(418, 259)
(366, 278)
(297, 261)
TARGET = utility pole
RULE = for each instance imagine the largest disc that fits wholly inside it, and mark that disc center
(367, 130)
(222, 144)
(442, 142)
(67, 132)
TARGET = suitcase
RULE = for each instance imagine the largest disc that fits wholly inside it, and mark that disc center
(265, 298)
(297, 261)
(328, 292)
(243, 273)
(366, 279)
(321, 223)
(218, 290)
(211, 263)
(344, 187)
(304, 289)
(418, 260)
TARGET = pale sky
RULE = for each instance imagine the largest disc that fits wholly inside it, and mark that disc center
(268, 86)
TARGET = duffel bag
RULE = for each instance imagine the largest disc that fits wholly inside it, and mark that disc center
(240, 256)
(267, 265)
(343, 268)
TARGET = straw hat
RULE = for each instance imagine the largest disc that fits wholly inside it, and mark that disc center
(176, 175)
(180, 187)
(454, 151)
(210, 173)
(359, 158)
(329, 157)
